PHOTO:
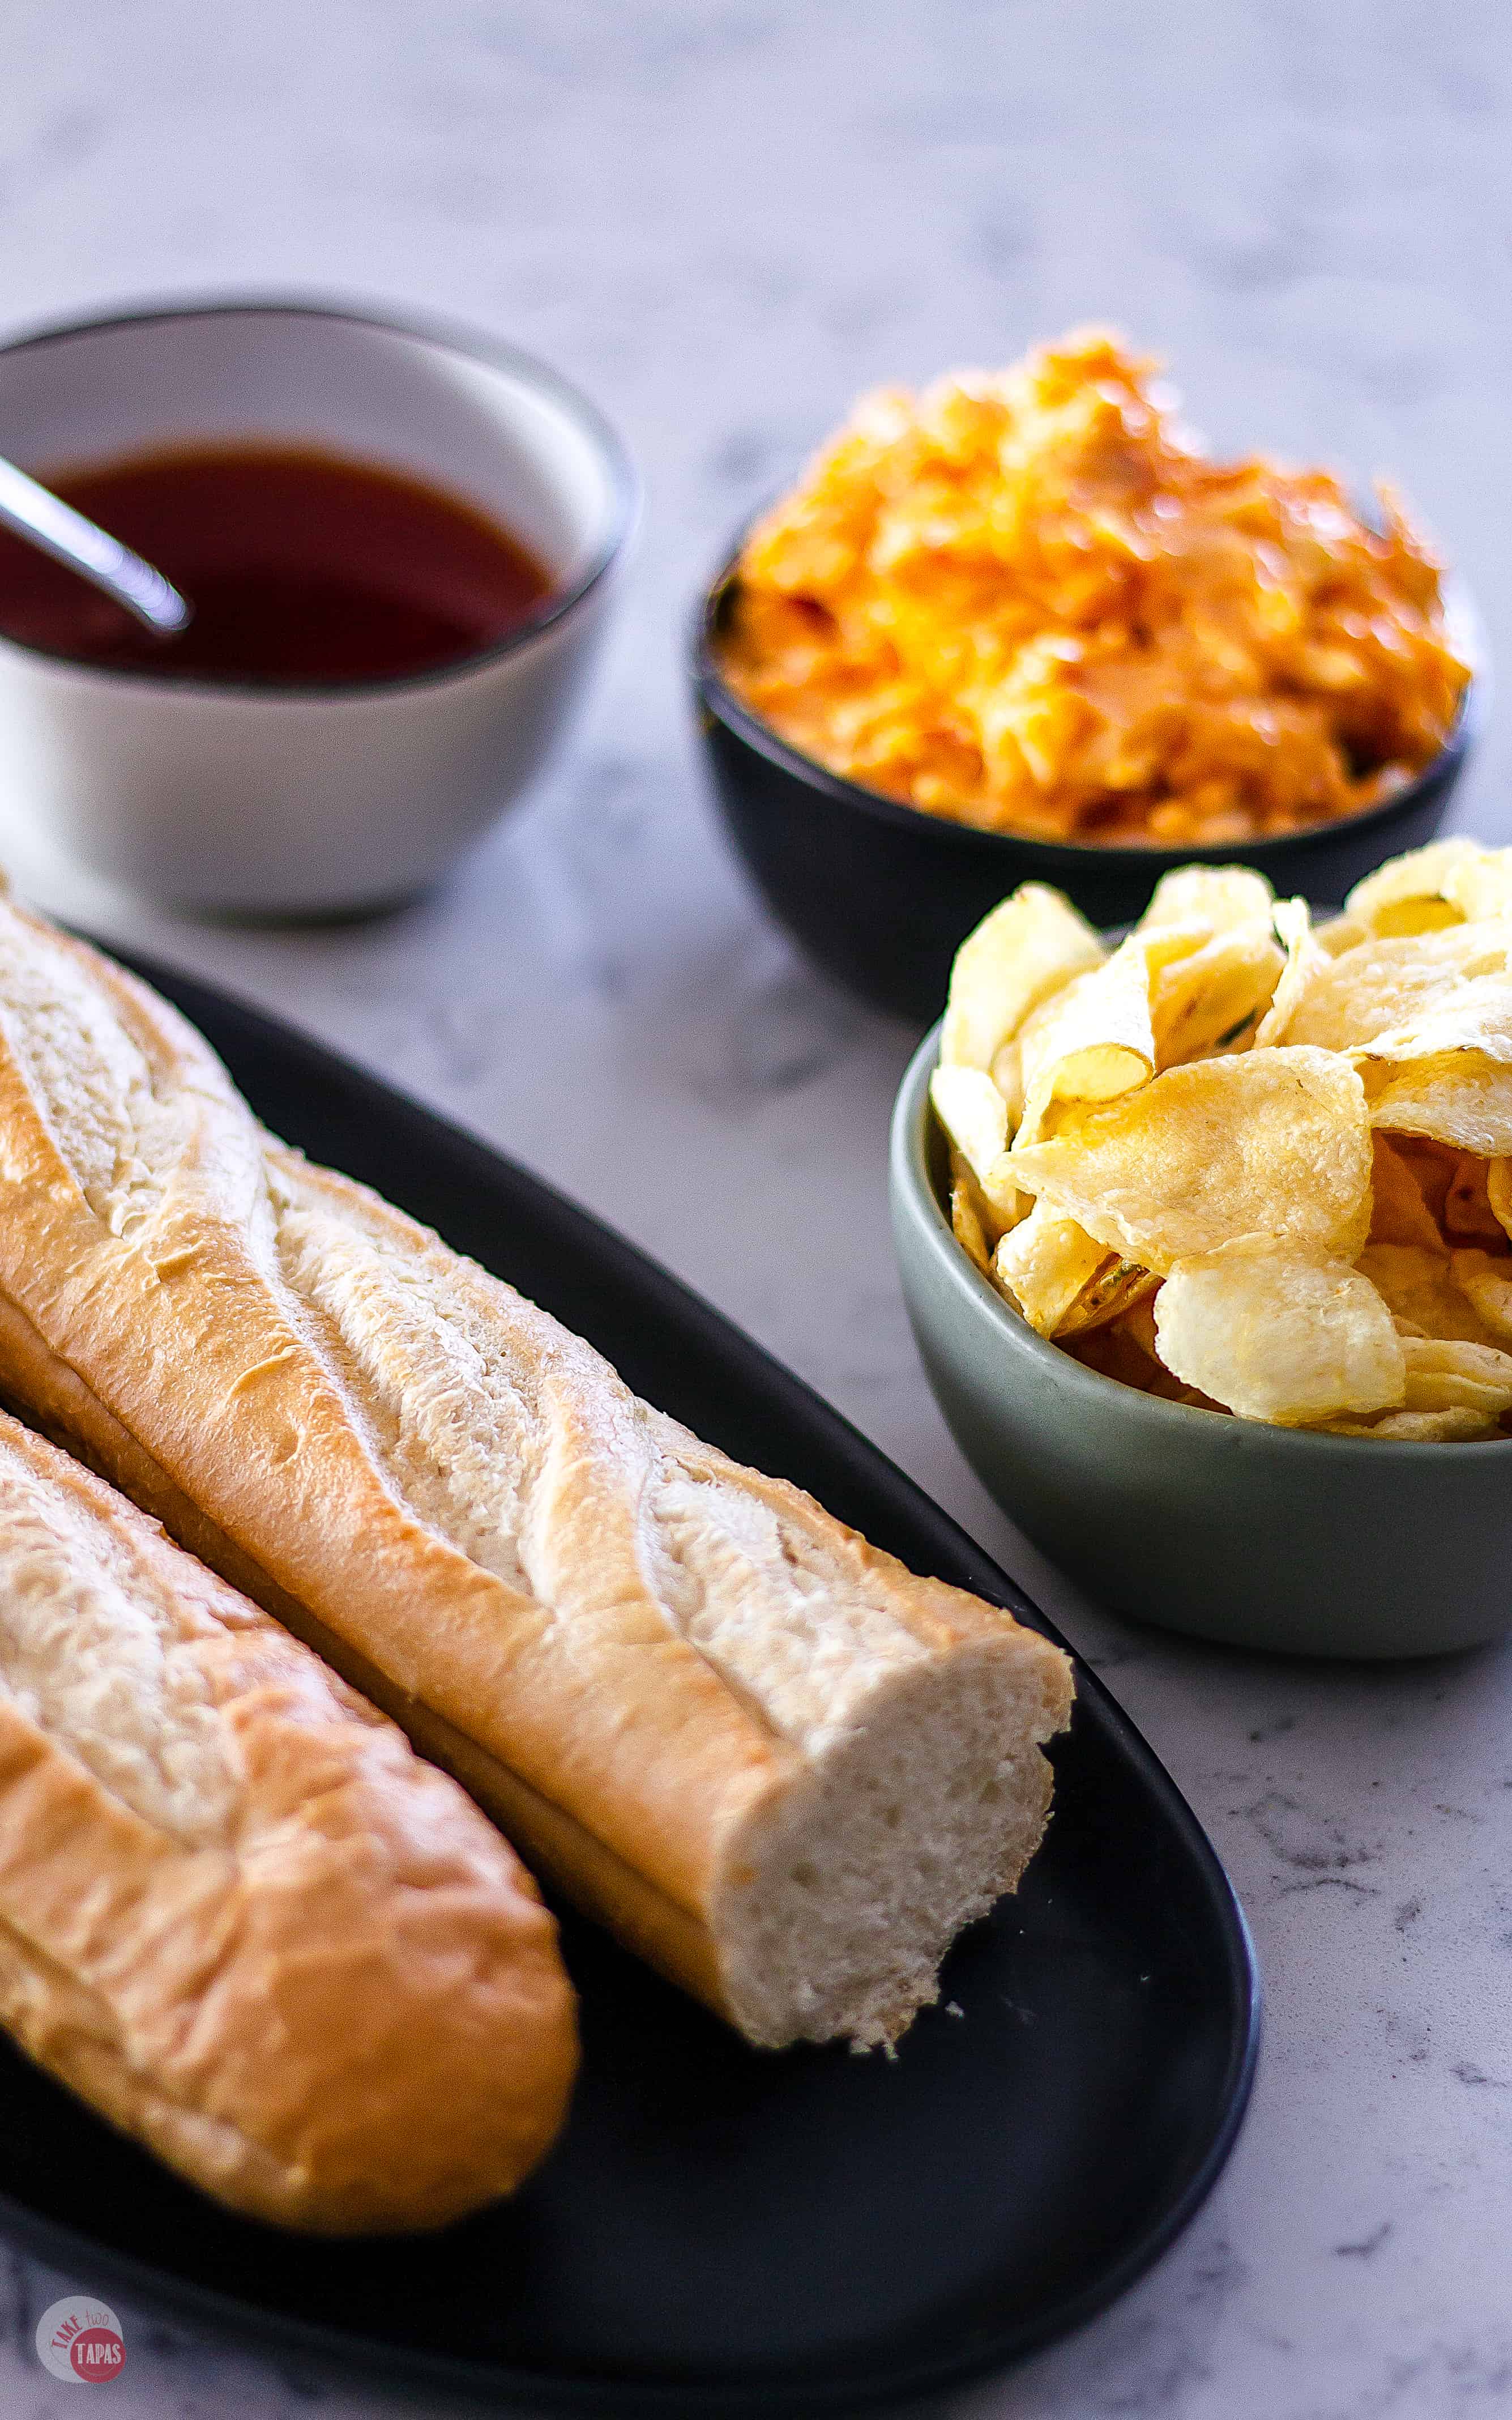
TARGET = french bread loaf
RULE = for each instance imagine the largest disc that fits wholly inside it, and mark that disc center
(237, 1914)
(777, 1763)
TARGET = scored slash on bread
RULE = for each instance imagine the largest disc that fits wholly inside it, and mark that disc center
(778, 1764)
(238, 1914)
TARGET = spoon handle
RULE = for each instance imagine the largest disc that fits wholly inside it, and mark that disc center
(35, 513)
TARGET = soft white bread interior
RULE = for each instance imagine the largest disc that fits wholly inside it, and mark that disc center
(237, 1914)
(777, 1763)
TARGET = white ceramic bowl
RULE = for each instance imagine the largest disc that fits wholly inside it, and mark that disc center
(318, 799)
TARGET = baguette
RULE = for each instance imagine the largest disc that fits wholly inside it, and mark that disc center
(778, 1766)
(238, 1914)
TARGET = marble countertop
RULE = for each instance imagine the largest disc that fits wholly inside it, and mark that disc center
(724, 217)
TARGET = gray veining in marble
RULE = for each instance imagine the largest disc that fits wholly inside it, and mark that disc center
(724, 217)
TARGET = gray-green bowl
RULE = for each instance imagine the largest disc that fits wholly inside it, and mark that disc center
(1228, 1528)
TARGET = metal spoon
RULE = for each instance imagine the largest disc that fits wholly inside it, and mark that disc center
(35, 513)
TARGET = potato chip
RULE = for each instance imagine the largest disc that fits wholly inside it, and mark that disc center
(1458, 1425)
(1448, 882)
(1166, 994)
(1137, 1327)
(1456, 1100)
(1279, 1335)
(1114, 1290)
(1270, 1168)
(1432, 1165)
(998, 1206)
(974, 1115)
(1272, 1142)
(967, 1228)
(1008, 1075)
(1137, 1322)
(1383, 987)
(1468, 1215)
(971, 1110)
(1428, 1021)
(1445, 1376)
(1092, 1040)
(1124, 1349)
(1420, 1291)
(1486, 1282)
(1398, 1212)
(1027, 949)
(1213, 997)
(1219, 898)
(1336, 934)
(1043, 1264)
(1114, 1353)
(1474, 1018)
(1304, 961)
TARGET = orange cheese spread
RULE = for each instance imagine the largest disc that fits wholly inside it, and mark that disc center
(1027, 600)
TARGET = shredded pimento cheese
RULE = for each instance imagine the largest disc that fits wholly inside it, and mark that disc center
(1027, 602)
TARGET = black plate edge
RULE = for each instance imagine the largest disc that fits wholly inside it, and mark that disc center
(774, 2397)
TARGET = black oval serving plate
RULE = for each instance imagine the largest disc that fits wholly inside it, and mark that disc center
(721, 2230)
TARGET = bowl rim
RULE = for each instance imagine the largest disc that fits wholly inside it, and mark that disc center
(442, 333)
(738, 718)
(909, 1177)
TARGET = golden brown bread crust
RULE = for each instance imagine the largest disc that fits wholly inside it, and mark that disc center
(608, 1631)
(653, 1925)
(318, 1985)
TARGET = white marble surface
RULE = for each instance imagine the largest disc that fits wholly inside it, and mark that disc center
(724, 216)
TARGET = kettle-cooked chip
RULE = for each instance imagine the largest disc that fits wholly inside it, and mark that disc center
(1209, 996)
(1422, 1292)
(1336, 934)
(1213, 997)
(1008, 1075)
(1459, 1099)
(1468, 1215)
(967, 1227)
(1043, 1264)
(1116, 1289)
(1217, 897)
(1272, 1142)
(974, 1114)
(1270, 1166)
(1092, 1040)
(1432, 1164)
(1304, 962)
(1446, 1071)
(1398, 1212)
(1279, 1335)
(1443, 1376)
(1021, 953)
(1458, 1425)
(1168, 993)
(1448, 882)
(1486, 1283)
(1386, 987)
(1474, 1016)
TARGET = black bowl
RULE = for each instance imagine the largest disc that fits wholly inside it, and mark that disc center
(882, 895)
